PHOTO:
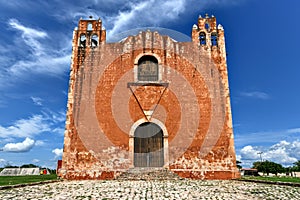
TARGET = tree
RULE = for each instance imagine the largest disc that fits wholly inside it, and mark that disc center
(296, 166)
(268, 167)
(238, 164)
(10, 166)
(259, 166)
(51, 171)
(29, 166)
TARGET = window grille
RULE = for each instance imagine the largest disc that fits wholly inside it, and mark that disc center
(148, 69)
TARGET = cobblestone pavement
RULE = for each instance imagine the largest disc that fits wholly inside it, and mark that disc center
(171, 189)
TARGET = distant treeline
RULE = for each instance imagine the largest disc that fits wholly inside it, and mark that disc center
(272, 167)
(23, 166)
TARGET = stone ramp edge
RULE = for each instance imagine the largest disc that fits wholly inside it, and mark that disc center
(270, 182)
(5, 187)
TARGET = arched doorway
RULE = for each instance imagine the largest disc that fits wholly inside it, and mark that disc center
(148, 145)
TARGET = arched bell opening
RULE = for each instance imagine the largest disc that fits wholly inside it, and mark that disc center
(94, 40)
(82, 41)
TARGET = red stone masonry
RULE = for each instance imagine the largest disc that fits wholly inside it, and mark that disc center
(190, 102)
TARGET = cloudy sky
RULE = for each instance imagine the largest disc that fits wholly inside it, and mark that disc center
(262, 40)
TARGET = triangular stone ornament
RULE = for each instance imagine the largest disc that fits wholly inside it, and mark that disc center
(148, 114)
(146, 96)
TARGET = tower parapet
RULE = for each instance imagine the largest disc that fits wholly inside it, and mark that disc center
(88, 35)
(207, 33)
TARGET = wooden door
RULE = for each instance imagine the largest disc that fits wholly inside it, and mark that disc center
(148, 146)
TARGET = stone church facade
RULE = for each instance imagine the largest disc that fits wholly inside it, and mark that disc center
(149, 101)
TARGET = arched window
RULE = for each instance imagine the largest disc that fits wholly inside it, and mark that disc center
(90, 27)
(82, 41)
(202, 38)
(94, 40)
(214, 39)
(148, 69)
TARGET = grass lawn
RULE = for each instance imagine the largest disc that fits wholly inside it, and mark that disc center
(14, 180)
(274, 178)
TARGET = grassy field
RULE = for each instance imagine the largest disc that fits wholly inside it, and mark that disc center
(14, 180)
(274, 178)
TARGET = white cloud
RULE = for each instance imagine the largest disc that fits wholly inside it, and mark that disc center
(146, 13)
(238, 157)
(35, 160)
(249, 153)
(55, 116)
(24, 146)
(39, 143)
(37, 101)
(256, 95)
(293, 130)
(34, 125)
(285, 153)
(49, 51)
(57, 152)
(5, 140)
(120, 16)
(46, 64)
(27, 33)
(31, 52)
(60, 131)
(281, 153)
(30, 36)
(263, 136)
(156, 12)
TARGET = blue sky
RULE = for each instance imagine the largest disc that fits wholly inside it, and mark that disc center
(262, 41)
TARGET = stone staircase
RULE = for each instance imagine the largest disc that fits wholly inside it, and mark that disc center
(148, 174)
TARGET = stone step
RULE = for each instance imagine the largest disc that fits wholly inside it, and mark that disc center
(148, 174)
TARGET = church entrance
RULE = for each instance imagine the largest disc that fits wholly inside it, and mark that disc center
(148, 146)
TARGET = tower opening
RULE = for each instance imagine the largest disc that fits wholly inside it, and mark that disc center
(94, 40)
(214, 39)
(82, 41)
(202, 38)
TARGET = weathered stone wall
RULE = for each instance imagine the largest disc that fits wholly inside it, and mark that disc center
(190, 103)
